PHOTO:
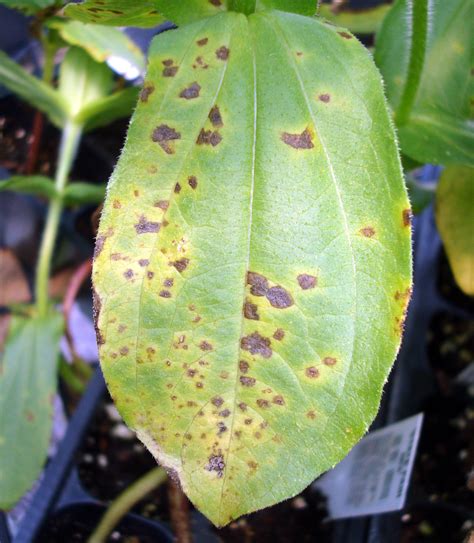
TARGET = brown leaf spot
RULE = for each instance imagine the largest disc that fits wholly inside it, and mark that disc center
(222, 53)
(143, 262)
(202, 42)
(191, 92)
(100, 242)
(250, 311)
(221, 428)
(180, 264)
(279, 297)
(217, 464)
(326, 98)
(345, 35)
(264, 404)
(224, 413)
(146, 227)
(117, 204)
(257, 344)
(243, 406)
(29, 415)
(329, 361)
(311, 414)
(192, 182)
(279, 334)
(243, 366)
(128, 274)
(247, 381)
(312, 372)
(215, 117)
(407, 216)
(217, 401)
(150, 274)
(165, 294)
(258, 283)
(177, 188)
(162, 135)
(191, 373)
(216, 3)
(248, 422)
(209, 137)
(299, 141)
(299, 53)
(205, 346)
(168, 282)
(147, 89)
(367, 231)
(306, 281)
(252, 465)
(123, 350)
(278, 400)
(162, 204)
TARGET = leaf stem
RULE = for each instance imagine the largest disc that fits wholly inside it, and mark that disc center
(242, 6)
(125, 501)
(419, 37)
(67, 151)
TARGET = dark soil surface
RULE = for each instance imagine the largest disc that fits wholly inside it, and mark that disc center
(443, 478)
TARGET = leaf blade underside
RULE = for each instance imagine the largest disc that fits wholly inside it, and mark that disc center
(253, 260)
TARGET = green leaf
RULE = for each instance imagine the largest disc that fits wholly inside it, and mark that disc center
(439, 130)
(27, 388)
(303, 7)
(29, 6)
(104, 111)
(30, 184)
(358, 21)
(83, 81)
(101, 42)
(83, 193)
(31, 89)
(253, 262)
(454, 218)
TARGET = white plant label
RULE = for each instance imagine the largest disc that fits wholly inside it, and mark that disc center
(375, 476)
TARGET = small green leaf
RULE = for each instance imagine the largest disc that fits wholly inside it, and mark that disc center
(104, 111)
(31, 89)
(303, 7)
(360, 21)
(30, 184)
(101, 42)
(29, 6)
(27, 388)
(440, 129)
(83, 193)
(83, 81)
(454, 218)
(253, 263)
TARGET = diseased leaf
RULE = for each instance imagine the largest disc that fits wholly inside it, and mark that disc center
(31, 89)
(454, 218)
(83, 193)
(27, 387)
(252, 267)
(440, 129)
(30, 184)
(101, 42)
(142, 13)
(145, 13)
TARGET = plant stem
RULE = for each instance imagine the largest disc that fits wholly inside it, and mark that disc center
(242, 6)
(419, 38)
(67, 151)
(179, 513)
(125, 501)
